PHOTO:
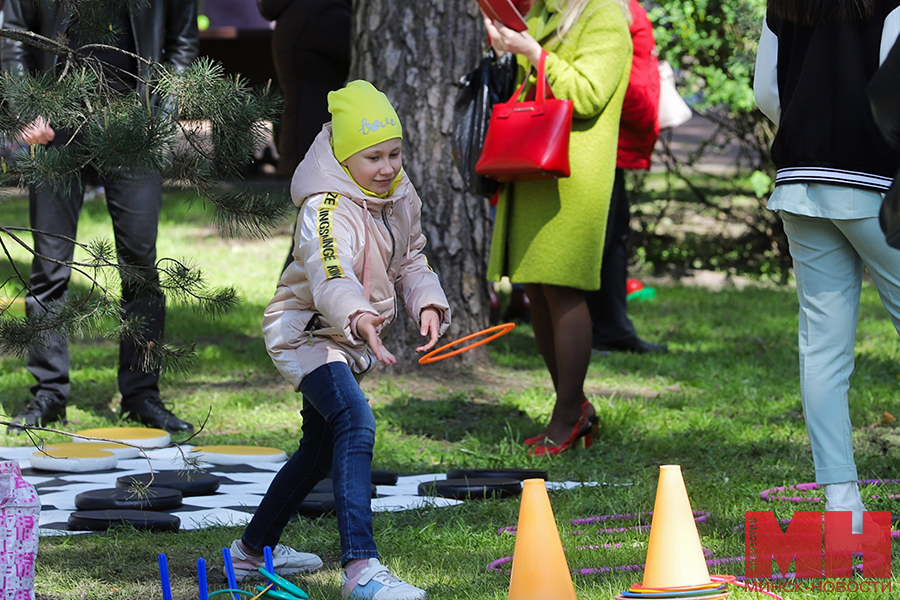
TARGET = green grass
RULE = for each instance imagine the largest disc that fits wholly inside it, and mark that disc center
(724, 404)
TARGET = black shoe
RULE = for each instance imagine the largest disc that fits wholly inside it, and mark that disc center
(41, 411)
(151, 412)
(634, 345)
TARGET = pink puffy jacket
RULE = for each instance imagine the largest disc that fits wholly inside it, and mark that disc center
(340, 230)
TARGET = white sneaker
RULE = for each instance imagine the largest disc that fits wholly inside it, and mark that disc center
(375, 582)
(846, 496)
(285, 560)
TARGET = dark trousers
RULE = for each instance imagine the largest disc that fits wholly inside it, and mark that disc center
(311, 50)
(609, 305)
(134, 204)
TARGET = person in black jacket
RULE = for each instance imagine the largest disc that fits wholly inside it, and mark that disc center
(160, 31)
(833, 167)
(884, 98)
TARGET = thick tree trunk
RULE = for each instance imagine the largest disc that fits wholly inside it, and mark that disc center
(415, 51)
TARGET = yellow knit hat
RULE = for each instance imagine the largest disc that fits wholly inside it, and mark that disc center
(361, 117)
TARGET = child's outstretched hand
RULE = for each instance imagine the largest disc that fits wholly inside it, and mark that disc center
(430, 327)
(368, 326)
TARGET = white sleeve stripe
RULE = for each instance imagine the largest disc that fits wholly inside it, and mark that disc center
(889, 33)
(765, 80)
(308, 225)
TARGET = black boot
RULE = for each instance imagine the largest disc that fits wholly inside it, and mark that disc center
(41, 411)
(150, 411)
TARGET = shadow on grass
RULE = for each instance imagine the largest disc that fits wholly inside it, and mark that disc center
(454, 419)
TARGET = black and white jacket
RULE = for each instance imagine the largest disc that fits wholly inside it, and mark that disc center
(812, 82)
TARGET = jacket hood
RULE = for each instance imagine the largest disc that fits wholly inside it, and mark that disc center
(319, 173)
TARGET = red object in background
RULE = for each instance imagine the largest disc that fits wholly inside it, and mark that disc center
(523, 6)
(503, 11)
(632, 286)
(541, 154)
(639, 127)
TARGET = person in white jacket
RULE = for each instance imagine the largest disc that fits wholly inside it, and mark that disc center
(358, 246)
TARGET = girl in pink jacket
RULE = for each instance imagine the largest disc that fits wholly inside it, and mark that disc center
(357, 252)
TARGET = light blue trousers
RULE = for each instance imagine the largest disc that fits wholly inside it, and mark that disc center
(829, 255)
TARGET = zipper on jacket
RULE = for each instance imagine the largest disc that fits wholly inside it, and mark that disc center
(384, 219)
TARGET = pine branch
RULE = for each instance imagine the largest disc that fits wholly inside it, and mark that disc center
(45, 95)
(236, 114)
(128, 138)
(18, 276)
(249, 212)
(102, 254)
(76, 314)
(36, 41)
(204, 129)
(50, 166)
(187, 284)
(155, 356)
(90, 18)
(158, 357)
(190, 464)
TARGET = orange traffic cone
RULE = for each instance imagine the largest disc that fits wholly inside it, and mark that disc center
(539, 568)
(674, 554)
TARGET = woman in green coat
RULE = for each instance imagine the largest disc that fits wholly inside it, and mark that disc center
(549, 234)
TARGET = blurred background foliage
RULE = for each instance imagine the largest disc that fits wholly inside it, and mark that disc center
(690, 216)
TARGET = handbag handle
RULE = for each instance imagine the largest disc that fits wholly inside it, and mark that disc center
(543, 91)
(540, 94)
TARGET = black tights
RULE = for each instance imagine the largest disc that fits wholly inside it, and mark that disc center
(562, 329)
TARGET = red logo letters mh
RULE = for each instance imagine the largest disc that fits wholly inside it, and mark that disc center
(817, 553)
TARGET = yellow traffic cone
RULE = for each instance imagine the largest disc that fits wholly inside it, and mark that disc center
(674, 554)
(539, 568)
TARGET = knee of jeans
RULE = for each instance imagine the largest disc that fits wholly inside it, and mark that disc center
(314, 460)
(320, 471)
(361, 419)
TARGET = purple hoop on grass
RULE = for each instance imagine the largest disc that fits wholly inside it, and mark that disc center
(699, 517)
(767, 495)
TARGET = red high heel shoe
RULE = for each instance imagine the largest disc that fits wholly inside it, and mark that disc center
(583, 429)
(584, 418)
(533, 440)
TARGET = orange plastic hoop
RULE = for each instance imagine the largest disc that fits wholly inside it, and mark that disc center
(435, 355)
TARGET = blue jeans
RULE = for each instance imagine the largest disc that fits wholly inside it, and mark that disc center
(338, 437)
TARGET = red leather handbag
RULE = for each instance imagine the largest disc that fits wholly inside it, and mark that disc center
(528, 140)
